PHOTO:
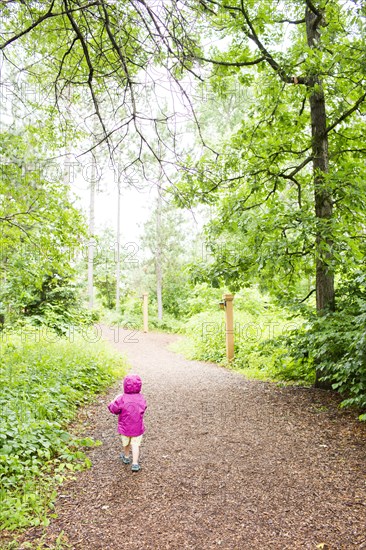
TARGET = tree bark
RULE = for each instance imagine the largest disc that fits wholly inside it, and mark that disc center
(325, 300)
(322, 193)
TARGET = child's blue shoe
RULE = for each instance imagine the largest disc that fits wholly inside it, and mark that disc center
(125, 459)
(135, 467)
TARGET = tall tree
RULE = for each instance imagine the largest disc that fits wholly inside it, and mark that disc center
(309, 98)
(158, 256)
(163, 240)
(301, 82)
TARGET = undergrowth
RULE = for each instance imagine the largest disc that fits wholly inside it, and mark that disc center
(272, 344)
(42, 385)
(259, 331)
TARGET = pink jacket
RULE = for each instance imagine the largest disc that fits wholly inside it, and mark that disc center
(130, 406)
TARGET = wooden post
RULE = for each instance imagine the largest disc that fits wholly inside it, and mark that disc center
(229, 324)
(145, 309)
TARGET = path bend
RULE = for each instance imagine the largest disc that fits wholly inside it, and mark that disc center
(226, 463)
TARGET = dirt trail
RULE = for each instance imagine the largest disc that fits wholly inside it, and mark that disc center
(226, 463)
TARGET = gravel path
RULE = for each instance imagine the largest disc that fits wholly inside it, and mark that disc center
(226, 463)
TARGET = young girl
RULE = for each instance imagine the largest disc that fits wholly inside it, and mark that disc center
(130, 406)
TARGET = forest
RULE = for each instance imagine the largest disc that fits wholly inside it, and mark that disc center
(241, 124)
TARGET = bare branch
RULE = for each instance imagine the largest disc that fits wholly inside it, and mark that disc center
(121, 57)
(351, 150)
(300, 166)
(80, 36)
(308, 296)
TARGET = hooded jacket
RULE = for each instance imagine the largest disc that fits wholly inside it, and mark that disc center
(130, 406)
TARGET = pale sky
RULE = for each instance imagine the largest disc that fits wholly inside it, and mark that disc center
(135, 208)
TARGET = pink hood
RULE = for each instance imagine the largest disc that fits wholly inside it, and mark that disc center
(132, 383)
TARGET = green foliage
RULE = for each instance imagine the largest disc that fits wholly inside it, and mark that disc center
(265, 228)
(57, 305)
(336, 343)
(202, 297)
(42, 385)
(169, 323)
(131, 318)
(41, 231)
(105, 265)
(131, 310)
(260, 327)
(63, 55)
(270, 343)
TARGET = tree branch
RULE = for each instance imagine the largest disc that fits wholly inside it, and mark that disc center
(308, 296)
(47, 15)
(84, 45)
(297, 22)
(287, 79)
(346, 114)
(121, 57)
(300, 166)
(312, 8)
(232, 63)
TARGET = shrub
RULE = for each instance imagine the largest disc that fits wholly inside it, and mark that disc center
(336, 343)
(260, 328)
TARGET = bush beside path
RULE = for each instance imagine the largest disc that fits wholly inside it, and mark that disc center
(226, 463)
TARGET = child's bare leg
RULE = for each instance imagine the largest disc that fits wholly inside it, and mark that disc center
(126, 450)
(135, 454)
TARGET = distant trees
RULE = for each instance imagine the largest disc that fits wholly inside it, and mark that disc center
(166, 247)
(105, 267)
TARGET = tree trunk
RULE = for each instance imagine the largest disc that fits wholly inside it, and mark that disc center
(158, 259)
(118, 258)
(91, 237)
(322, 193)
(323, 199)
